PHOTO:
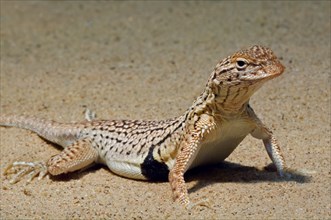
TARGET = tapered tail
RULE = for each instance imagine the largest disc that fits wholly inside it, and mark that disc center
(60, 133)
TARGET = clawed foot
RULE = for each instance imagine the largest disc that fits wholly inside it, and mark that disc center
(285, 174)
(29, 169)
(90, 115)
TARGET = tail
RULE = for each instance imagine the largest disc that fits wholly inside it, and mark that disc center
(59, 133)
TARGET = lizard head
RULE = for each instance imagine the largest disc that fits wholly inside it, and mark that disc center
(237, 77)
(254, 64)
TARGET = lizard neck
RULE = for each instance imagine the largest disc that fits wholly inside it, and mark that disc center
(228, 99)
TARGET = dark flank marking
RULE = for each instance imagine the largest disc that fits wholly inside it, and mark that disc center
(152, 169)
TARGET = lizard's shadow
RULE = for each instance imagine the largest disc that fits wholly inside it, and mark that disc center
(233, 172)
(211, 174)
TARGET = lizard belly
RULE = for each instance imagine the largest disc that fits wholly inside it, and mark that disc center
(127, 169)
(222, 142)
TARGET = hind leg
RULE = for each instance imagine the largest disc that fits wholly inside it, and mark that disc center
(74, 157)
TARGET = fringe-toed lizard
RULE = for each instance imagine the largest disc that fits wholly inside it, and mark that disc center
(208, 132)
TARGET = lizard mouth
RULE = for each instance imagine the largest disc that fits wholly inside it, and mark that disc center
(275, 69)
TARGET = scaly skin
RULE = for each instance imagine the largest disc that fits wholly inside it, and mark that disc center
(219, 119)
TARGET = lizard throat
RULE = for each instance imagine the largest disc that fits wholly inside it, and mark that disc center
(230, 99)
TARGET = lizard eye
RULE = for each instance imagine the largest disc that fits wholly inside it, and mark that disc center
(241, 64)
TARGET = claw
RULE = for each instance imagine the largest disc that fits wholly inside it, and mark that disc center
(29, 169)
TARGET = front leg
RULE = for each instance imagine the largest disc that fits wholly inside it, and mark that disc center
(188, 149)
(187, 152)
(270, 143)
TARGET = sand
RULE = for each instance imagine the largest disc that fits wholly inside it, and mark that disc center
(149, 60)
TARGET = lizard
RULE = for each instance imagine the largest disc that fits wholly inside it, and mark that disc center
(208, 131)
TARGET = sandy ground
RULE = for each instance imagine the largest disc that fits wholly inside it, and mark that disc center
(149, 61)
